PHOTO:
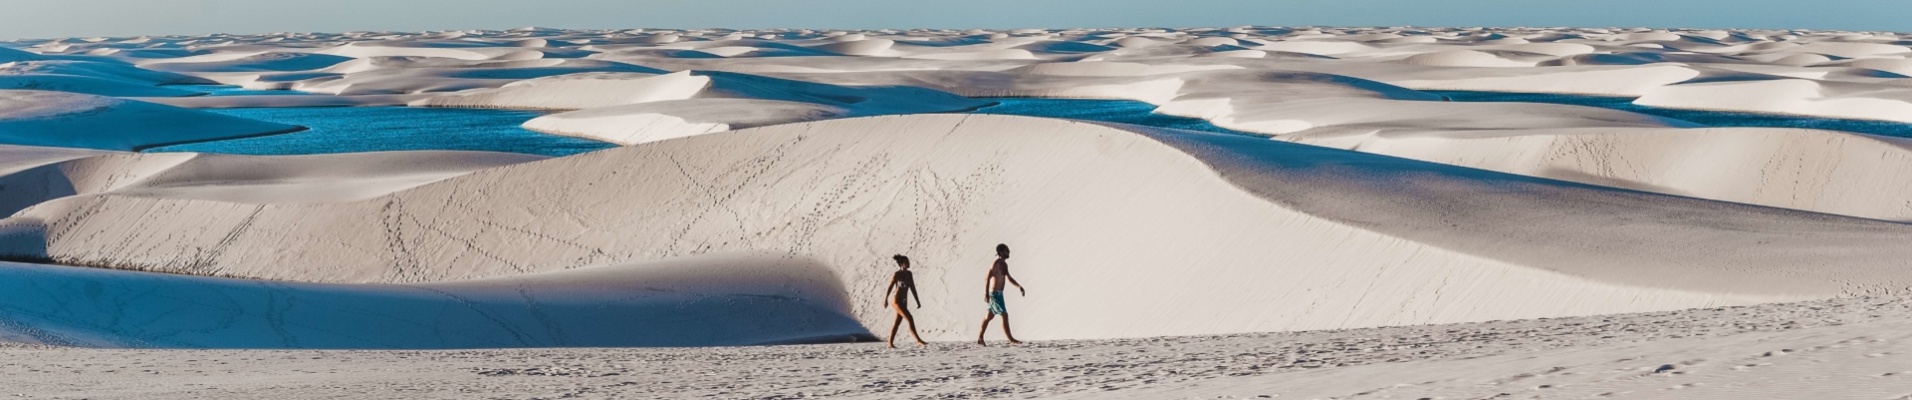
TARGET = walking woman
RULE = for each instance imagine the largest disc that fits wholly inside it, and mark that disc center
(902, 283)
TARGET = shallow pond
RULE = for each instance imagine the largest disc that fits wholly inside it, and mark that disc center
(1707, 118)
(1140, 113)
(1118, 111)
(226, 90)
(364, 129)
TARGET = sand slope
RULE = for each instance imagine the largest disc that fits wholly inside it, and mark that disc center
(1823, 171)
(1790, 96)
(702, 301)
(43, 118)
(631, 108)
(33, 175)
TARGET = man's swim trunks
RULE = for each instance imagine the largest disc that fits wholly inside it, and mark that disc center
(995, 304)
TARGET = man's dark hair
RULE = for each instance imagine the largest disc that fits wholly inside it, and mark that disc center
(900, 259)
(1002, 248)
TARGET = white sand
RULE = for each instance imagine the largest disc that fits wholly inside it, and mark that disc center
(631, 108)
(1852, 348)
(681, 302)
(31, 175)
(803, 153)
(44, 118)
(946, 188)
(1790, 96)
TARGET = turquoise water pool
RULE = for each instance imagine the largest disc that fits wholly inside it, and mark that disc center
(1707, 118)
(365, 129)
(1140, 113)
(226, 90)
(1118, 111)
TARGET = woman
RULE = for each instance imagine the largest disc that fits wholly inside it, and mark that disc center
(902, 282)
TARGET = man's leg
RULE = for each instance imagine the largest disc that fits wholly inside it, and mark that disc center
(985, 329)
(1005, 329)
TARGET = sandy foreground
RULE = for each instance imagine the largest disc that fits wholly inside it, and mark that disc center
(1845, 348)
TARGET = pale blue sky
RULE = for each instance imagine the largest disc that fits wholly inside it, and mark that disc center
(62, 18)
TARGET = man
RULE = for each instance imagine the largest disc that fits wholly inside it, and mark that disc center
(998, 274)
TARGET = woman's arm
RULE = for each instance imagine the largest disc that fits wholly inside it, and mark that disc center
(913, 291)
(887, 288)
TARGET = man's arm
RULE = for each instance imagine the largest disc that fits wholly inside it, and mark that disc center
(1012, 280)
(989, 280)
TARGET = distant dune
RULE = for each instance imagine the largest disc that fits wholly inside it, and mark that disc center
(46, 118)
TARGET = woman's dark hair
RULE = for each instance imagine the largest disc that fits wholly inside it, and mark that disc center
(900, 259)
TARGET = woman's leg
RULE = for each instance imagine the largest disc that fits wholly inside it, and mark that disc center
(898, 322)
(912, 320)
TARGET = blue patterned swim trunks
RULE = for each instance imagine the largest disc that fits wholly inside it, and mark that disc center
(995, 304)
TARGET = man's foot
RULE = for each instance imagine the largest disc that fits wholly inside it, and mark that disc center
(922, 343)
(979, 342)
(1014, 341)
(892, 345)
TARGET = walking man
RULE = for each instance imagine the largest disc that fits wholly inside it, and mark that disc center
(998, 274)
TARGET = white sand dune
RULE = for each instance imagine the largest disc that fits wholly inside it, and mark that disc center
(443, 77)
(33, 175)
(11, 55)
(582, 91)
(1094, 68)
(17, 162)
(1901, 67)
(1370, 241)
(671, 119)
(1823, 171)
(1328, 121)
(1463, 58)
(435, 49)
(276, 101)
(242, 62)
(43, 118)
(97, 69)
(1758, 71)
(1790, 96)
(1625, 80)
(579, 91)
(87, 85)
(630, 108)
(681, 302)
(104, 78)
